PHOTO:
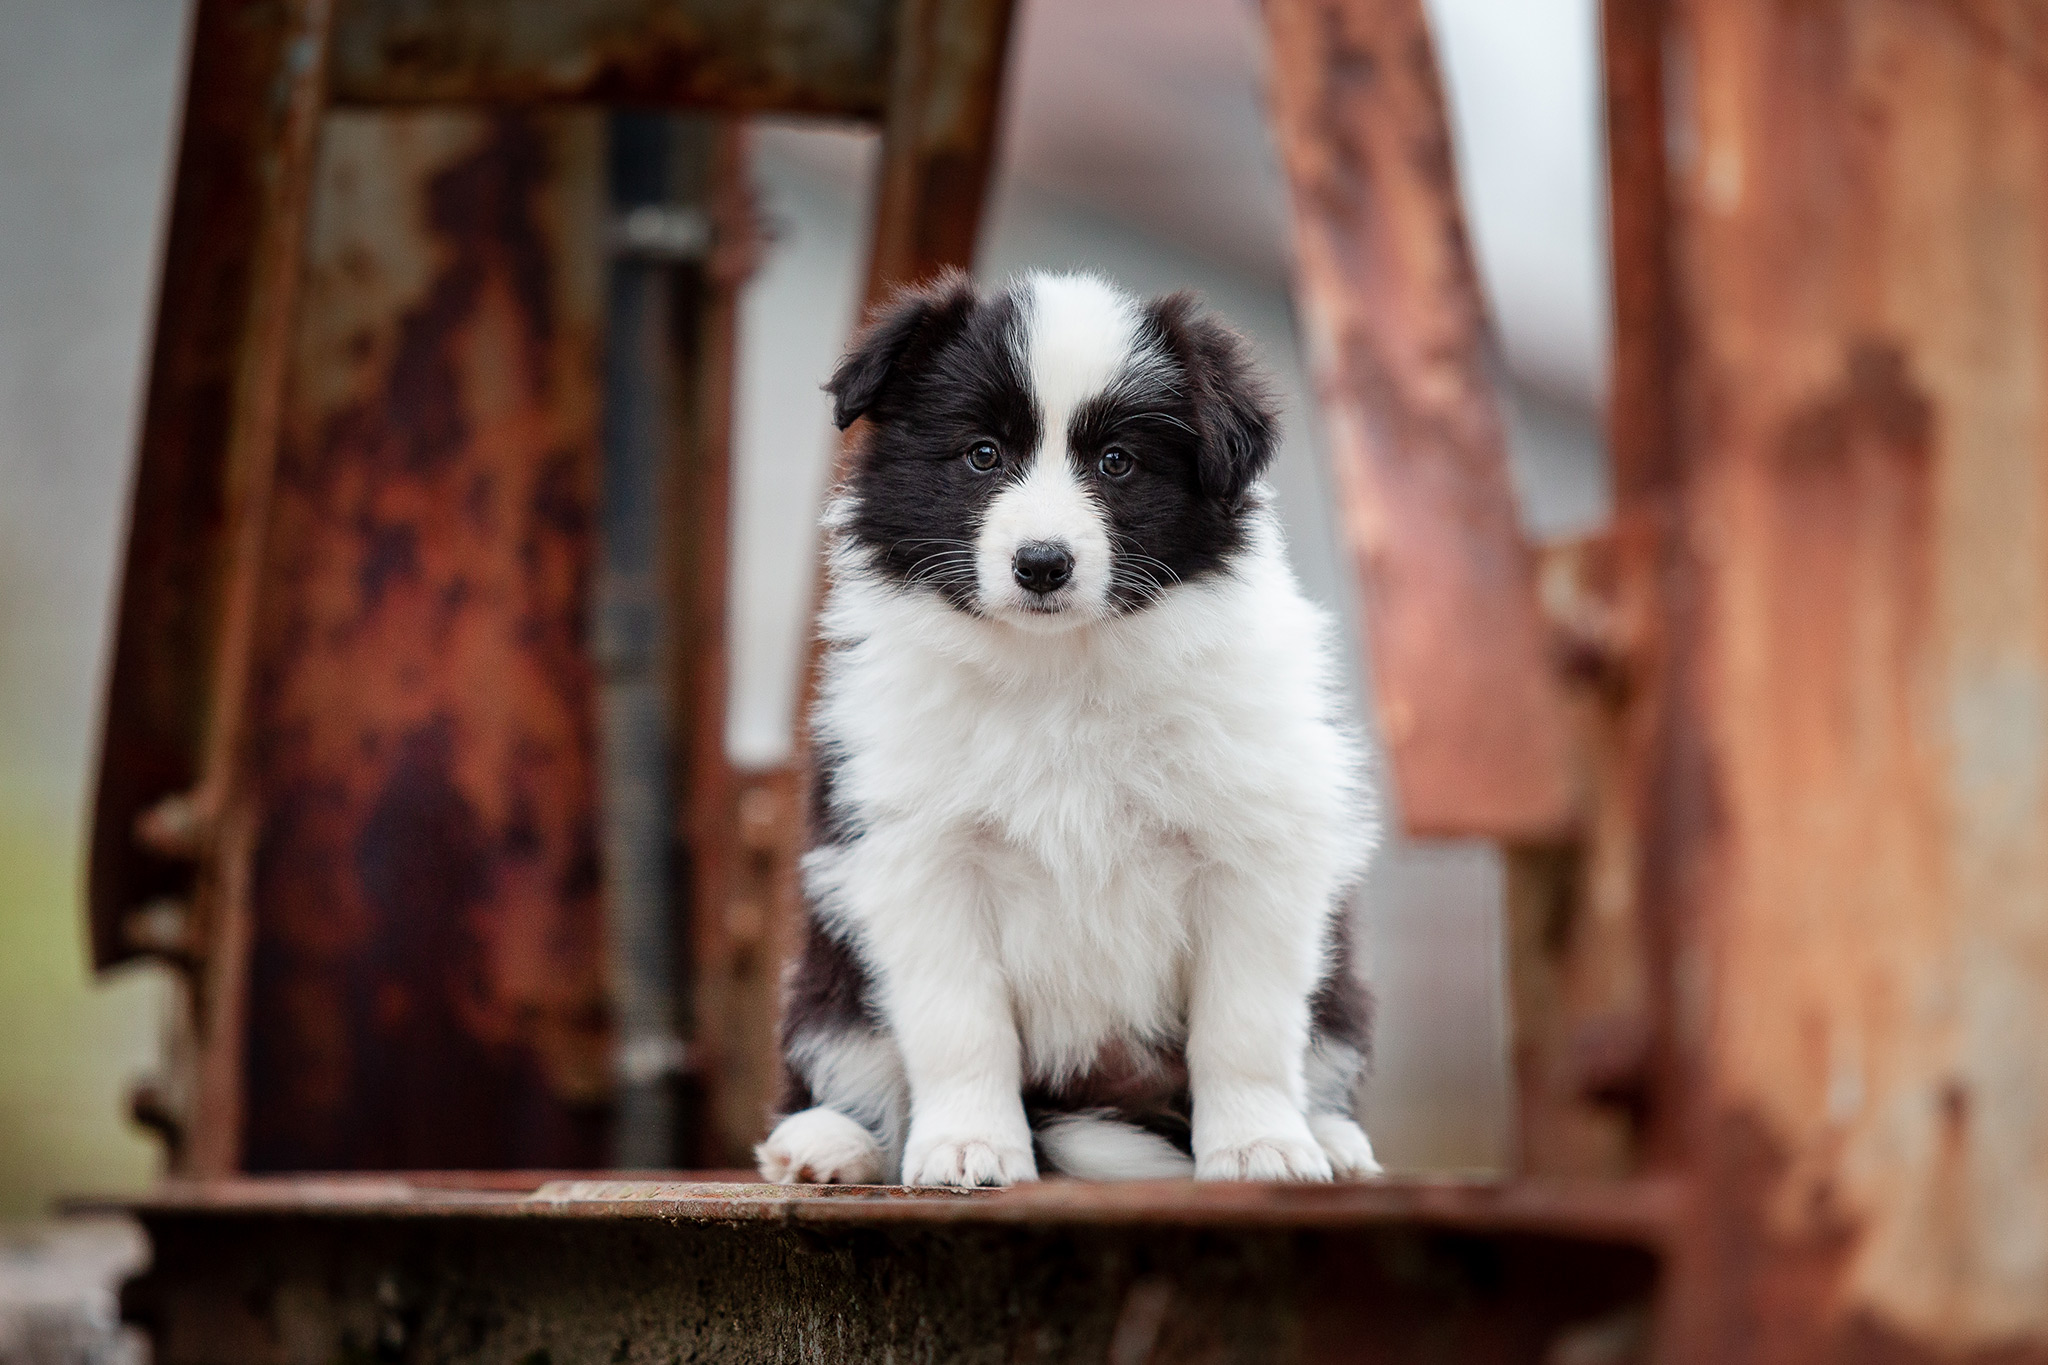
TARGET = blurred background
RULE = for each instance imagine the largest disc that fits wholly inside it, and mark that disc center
(1134, 144)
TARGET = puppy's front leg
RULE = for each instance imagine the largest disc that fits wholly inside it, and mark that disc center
(1255, 965)
(950, 1012)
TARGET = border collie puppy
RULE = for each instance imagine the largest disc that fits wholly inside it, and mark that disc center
(1088, 812)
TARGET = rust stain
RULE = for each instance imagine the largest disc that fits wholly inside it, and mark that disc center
(1780, 1295)
(427, 983)
(1852, 555)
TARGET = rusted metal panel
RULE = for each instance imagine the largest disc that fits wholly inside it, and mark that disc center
(1846, 820)
(230, 272)
(426, 983)
(1396, 331)
(748, 1273)
(795, 56)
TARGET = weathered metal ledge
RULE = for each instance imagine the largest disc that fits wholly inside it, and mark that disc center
(545, 1269)
(1639, 1211)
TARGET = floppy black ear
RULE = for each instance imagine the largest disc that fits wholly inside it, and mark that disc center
(1234, 407)
(911, 320)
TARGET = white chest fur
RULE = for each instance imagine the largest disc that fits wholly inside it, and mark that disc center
(1071, 792)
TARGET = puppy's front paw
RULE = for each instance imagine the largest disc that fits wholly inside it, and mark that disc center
(820, 1147)
(1276, 1156)
(1347, 1146)
(968, 1161)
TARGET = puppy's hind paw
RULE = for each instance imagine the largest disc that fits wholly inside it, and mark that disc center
(1267, 1158)
(1347, 1146)
(820, 1147)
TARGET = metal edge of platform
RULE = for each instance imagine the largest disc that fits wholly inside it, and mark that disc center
(1642, 1211)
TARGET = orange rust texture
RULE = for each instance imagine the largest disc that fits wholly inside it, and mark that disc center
(427, 983)
(1396, 329)
(792, 56)
(1851, 813)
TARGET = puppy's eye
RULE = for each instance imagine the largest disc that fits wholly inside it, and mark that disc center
(983, 456)
(1114, 463)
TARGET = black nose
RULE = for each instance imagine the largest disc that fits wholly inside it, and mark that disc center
(1043, 565)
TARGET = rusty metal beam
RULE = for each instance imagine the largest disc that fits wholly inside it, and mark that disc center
(1396, 331)
(1639, 436)
(827, 57)
(172, 830)
(1843, 815)
(197, 512)
(426, 979)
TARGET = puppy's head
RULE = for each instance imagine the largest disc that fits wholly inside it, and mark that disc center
(1051, 454)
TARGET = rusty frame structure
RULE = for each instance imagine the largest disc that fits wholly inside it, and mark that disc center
(1766, 753)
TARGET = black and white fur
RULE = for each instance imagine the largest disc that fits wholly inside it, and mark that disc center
(1088, 813)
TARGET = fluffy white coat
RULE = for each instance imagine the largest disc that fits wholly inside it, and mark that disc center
(1080, 831)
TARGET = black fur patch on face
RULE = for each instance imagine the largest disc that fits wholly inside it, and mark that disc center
(935, 375)
(1197, 427)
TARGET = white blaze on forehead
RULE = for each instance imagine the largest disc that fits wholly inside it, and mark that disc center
(1080, 333)
(1078, 337)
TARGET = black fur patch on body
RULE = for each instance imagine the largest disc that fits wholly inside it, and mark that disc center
(1341, 1009)
(828, 991)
